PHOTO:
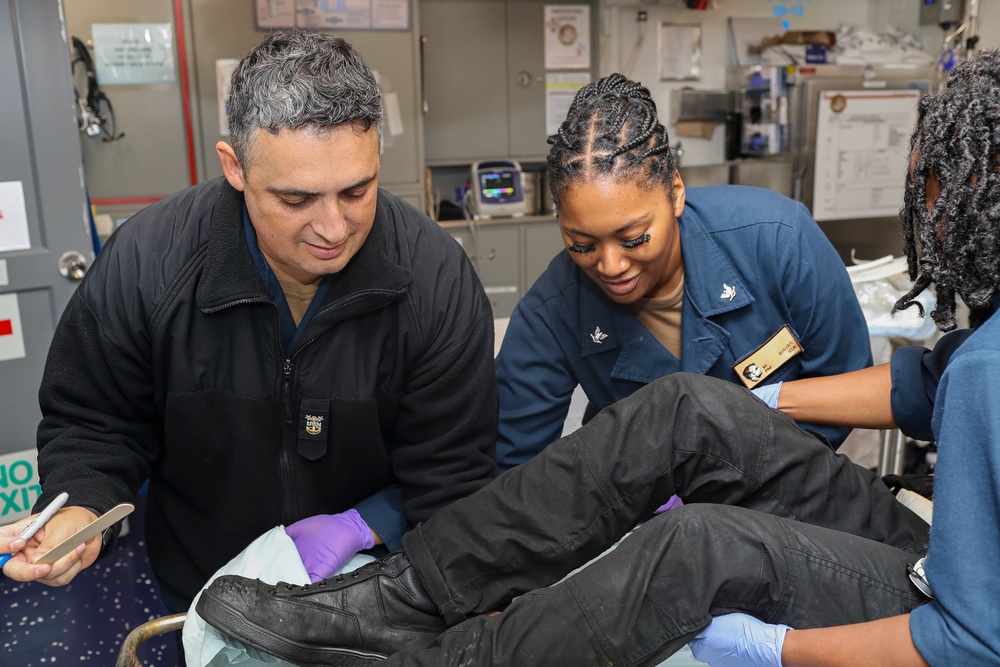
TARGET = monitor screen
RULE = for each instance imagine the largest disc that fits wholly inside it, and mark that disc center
(497, 185)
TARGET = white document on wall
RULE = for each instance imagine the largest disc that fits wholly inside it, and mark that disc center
(13, 217)
(353, 14)
(862, 151)
(567, 36)
(224, 68)
(133, 52)
(560, 89)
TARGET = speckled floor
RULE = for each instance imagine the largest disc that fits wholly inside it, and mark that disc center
(86, 621)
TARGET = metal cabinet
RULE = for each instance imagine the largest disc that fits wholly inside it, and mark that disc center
(490, 102)
(509, 256)
(541, 243)
(495, 252)
(466, 116)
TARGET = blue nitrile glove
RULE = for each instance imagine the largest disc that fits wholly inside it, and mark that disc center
(326, 541)
(739, 640)
(768, 393)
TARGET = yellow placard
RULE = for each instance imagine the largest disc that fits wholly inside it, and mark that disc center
(769, 357)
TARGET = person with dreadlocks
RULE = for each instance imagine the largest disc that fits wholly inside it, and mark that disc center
(951, 236)
(755, 570)
(730, 281)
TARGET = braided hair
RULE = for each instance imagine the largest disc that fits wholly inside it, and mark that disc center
(611, 129)
(956, 245)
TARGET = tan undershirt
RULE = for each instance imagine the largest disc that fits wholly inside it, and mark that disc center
(298, 298)
(662, 316)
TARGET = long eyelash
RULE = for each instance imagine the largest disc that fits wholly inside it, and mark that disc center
(636, 242)
(576, 247)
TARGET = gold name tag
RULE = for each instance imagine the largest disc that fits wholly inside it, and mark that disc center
(769, 357)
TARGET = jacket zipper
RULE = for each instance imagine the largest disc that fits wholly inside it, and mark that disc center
(286, 401)
(288, 512)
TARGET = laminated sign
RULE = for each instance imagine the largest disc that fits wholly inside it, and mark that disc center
(19, 486)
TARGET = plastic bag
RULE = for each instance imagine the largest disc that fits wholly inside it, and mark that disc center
(272, 557)
(877, 299)
(878, 284)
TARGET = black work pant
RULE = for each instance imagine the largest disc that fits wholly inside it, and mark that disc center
(775, 525)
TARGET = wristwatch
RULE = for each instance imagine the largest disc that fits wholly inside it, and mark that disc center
(919, 578)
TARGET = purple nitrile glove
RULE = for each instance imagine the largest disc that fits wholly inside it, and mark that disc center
(739, 640)
(672, 502)
(326, 542)
(768, 393)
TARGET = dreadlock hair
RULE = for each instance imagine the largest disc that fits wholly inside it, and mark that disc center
(956, 245)
(611, 129)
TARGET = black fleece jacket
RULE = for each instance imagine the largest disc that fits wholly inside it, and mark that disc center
(167, 366)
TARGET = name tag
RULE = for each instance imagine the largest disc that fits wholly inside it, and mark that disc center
(769, 357)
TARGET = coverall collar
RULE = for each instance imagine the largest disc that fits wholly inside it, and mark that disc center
(712, 286)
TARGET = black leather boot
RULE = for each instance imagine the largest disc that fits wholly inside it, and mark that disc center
(347, 620)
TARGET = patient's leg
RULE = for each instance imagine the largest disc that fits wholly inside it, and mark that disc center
(707, 440)
(646, 599)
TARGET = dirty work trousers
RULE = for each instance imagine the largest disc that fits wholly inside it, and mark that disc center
(775, 524)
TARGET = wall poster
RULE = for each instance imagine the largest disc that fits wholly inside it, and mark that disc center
(567, 36)
(862, 148)
(333, 14)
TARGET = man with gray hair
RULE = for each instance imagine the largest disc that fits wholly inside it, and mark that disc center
(285, 345)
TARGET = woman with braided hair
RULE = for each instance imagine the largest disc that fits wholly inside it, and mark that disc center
(733, 282)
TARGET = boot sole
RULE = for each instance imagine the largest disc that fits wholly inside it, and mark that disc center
(237, 625)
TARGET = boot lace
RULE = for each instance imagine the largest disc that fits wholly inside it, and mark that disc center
(338, 579)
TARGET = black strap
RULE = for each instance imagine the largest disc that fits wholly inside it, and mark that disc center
(95, 107)
(921, 484)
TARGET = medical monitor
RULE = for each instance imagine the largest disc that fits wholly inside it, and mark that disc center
(496, 189)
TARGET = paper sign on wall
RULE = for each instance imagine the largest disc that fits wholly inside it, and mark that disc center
(862, 148)
(133, 52)
(19, 485)
(333, 14)
(560, 89)
(13, 217)
(567, 36)
(393, 115)
(223, 83)
(11, 336)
